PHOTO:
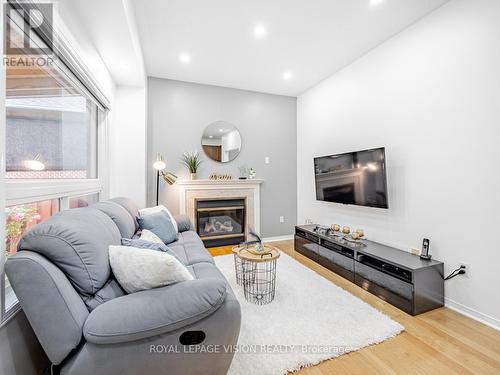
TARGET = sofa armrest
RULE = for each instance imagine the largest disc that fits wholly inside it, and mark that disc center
(183, 223)
(53, 307)
(154, 312)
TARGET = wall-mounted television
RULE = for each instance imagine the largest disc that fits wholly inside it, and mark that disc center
(357, 178)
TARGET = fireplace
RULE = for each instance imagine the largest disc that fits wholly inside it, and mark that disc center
(221, 222)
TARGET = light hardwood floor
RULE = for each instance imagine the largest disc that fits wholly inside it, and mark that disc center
(438, 342)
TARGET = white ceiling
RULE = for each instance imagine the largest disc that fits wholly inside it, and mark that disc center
(312, 39)
(110, 25)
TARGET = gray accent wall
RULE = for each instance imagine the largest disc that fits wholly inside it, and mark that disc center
(178, 112)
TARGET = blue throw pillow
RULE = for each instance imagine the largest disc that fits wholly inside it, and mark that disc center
(143, 244)
(160, 224)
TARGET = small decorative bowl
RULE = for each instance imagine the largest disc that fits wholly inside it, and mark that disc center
(335, 227)
(360, 232)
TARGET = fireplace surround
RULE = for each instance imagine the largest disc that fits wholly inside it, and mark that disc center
(215, 193)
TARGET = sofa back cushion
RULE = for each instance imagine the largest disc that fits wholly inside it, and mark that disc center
(109, 291)
(130, 206)
(120, 216)
(77, 242)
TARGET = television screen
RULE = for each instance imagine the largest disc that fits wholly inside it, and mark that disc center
(352, 178)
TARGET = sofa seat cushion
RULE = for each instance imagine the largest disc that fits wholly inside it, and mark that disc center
(77, 242)
(154, 312)
(190, 249)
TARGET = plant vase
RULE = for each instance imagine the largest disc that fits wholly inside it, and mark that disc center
(193, 176)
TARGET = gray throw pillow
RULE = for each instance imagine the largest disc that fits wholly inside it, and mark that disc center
(143, 244)
(160, 224)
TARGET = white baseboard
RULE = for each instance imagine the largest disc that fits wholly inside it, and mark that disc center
(278, 238)
(473, 314)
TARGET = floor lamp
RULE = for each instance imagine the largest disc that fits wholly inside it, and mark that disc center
(169, 178)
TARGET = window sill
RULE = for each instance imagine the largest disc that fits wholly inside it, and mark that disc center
(10, 313)
(22, 191)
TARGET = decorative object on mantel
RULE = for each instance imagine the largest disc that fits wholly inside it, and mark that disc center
(169, 177)
(221, 176)
(252, 174)
(243, 172)
(192, 161)
(346, 230)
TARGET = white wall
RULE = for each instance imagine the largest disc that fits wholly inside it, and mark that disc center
(431, 96)
(127, 147)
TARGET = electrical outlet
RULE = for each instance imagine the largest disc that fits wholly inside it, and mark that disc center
(466, 269)
(415, 251)
(282, 219)
(266, 160)
(308, 221)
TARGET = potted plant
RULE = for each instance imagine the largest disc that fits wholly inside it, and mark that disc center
(192, 161)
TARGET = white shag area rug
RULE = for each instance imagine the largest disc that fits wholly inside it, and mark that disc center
(310, 320)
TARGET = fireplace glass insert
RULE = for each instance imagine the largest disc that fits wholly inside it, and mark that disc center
(221, 222)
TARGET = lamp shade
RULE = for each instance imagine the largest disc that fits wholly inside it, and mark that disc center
(159, 163)
(170, 178)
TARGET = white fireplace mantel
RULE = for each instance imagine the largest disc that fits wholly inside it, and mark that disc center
(192, 190)
(220, 182)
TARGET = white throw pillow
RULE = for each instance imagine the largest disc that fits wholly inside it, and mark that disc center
(140, 269)
(152, 210)
(147, 235)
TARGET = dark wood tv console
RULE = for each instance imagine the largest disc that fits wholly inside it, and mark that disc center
(404, 280)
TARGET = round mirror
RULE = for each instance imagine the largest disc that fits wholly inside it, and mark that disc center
(221, 141)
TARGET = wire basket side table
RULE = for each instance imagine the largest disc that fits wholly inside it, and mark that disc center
(257, 273)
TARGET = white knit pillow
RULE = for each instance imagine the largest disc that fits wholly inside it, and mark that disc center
(147, 235)
(140, 269)
(152, 210)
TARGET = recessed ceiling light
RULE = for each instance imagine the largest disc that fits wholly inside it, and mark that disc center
(260, 31)
(287, 75)
(376, 2)
(184, 58)
(210, 136)
(221, 130)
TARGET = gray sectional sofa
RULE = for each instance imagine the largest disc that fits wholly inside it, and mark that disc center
(88, 325)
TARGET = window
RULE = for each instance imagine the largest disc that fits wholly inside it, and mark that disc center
(51, 123)
(18, 220)
(83, 201)
(54, 144)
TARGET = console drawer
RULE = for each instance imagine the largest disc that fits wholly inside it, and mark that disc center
(385, 294)
(306, 247)
(338, 263)
(390, 283)
(306, 235)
